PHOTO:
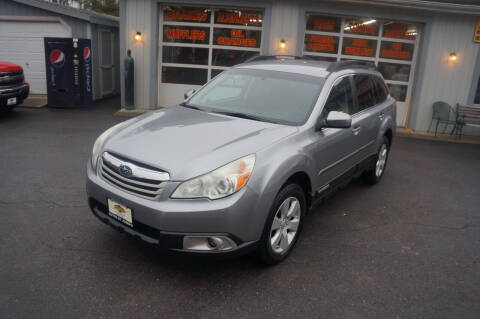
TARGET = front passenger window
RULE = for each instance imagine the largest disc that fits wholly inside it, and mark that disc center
(340, 98)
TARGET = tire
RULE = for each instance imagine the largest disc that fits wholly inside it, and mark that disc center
(374, 174)
(277, 240)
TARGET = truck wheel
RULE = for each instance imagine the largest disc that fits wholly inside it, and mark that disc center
(283, 224)
(375, 173)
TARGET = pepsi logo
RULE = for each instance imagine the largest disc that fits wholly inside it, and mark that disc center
(86, 54)
(57, 58)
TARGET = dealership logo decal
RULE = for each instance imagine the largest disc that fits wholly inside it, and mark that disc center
(57, 58)
(86, 54)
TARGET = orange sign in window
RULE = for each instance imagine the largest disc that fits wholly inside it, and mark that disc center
(395, 50)
(236, 37)
(233, 17)
(399, 31)
(360, 27)
(186, 15)
(323, 43)
(324, 24)
(183, 34)
(359, 47)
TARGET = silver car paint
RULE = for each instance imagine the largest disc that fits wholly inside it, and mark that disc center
(188, 143)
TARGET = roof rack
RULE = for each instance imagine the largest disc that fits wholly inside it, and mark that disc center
(277, 57)
(343, 65)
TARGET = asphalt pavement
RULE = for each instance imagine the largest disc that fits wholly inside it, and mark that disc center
(408, 247)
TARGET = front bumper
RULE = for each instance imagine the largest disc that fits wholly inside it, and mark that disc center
(166, 222)
(19, 91)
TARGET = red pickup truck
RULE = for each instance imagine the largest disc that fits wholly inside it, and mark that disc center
(13, 88)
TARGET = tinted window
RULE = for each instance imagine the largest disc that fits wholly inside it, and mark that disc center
(340, 98)
(365, 92)
(380, 90)
(226, 57)
(184, 75)
(186, 55)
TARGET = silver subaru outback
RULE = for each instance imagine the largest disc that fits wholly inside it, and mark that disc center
(238, 164)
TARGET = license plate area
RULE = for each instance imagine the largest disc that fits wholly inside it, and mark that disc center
(12, 101)
(120, 212)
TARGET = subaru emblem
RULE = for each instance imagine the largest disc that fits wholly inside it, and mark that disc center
(125, 171)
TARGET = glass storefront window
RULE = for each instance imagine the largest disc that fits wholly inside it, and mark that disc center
(359, 47)
(323, 23)
(186, 14)
(183, 34)
(363, 26)
(225, 57)
(396, 50)
(239, 17)
(237, 37)
(399, 30)
(194, 36)
(398, 91)
(321, 43)
(186, 55)
(395, 72)
(184, 75)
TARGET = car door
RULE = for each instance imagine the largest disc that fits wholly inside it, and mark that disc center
(334, 148)
(365, 122)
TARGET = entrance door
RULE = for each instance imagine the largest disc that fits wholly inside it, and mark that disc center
(107, 67)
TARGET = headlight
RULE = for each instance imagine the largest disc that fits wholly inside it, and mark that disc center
(97, 147)
(222, 182)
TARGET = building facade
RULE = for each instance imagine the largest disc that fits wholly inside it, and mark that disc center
(24, 24)
(425, 51)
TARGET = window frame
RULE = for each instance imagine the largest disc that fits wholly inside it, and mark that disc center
(335, 83)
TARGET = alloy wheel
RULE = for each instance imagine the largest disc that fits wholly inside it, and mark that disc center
(382, 159)
(285, 225)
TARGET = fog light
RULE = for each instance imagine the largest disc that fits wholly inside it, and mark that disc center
(208, 243)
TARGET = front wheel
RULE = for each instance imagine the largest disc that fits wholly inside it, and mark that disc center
(283, 225)
(375, 173)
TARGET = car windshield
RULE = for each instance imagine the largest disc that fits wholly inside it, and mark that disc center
(271, 96)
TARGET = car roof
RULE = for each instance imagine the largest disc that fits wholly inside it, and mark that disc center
(300, 66)
(305, 65)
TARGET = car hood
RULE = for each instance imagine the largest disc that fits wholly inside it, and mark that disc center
(9, 67)
(188, 143)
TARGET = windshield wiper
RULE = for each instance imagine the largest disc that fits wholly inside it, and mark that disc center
(241, 115)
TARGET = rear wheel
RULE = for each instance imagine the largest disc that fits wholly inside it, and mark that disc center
(375, 173)
(283, 225)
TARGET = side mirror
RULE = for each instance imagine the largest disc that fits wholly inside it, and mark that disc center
(337, 120)
(189, 93)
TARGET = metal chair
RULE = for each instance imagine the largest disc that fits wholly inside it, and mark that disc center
(442, 113)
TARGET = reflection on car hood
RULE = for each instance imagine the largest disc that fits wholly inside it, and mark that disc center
(187, 142)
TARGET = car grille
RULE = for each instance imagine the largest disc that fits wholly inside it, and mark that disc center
(11, 78)
(139, 185)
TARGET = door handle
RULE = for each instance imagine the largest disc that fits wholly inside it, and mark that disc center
(381, 116)
(356, 130)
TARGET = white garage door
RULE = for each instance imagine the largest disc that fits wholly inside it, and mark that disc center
(21, 42)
